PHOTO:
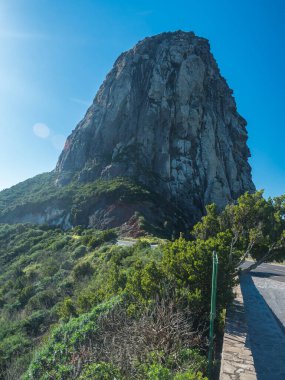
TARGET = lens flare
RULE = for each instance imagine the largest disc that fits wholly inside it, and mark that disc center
(41, 130)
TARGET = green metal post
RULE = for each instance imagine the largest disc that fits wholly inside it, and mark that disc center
(213, 311)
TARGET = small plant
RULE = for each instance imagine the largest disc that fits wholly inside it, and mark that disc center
(100, 371)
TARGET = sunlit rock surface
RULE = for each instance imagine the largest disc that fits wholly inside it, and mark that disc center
(166, 117)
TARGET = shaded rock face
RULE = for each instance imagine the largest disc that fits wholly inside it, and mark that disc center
(166, 117)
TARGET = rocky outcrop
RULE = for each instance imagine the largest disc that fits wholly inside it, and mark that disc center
(167, 118)
(161, 140)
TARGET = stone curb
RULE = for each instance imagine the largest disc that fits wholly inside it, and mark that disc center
(237, 361)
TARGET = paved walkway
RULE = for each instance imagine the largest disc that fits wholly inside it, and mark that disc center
(265, 332)
(274, 294)
(254, 339)
(237, 361)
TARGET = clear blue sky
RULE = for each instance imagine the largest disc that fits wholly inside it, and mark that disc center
(54, 54)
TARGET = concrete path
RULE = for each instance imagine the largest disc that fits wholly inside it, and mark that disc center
(265, 330)
(126, 243)
(237, 361)
(273, 293)
(269, 279)
(254, 340)
(130, 243)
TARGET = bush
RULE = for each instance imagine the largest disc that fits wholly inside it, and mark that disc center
(65, 343)
(12, 346)
(81, 270)
(26, 294)
(67, 309)
(79, 251)
(100, 371)
(36, 323)
(99, 238)
(158, 372)
(42, 300)
(189, 375)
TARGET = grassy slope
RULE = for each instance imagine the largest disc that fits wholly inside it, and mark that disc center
(36, 274)
(36, 193)
(80, 200)
(55, 285)
(49, 277)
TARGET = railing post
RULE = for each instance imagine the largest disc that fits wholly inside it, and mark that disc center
(213, 311)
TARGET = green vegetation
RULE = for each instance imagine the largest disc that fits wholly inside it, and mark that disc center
(78, 296)
(40, 186)
(41, 191)
(32, 200)
(256, 225)
(73, 305)
(39, 268)
(43, 188)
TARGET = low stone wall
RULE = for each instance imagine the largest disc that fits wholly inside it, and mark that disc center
(237, 361)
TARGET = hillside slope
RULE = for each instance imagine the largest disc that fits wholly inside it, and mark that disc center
(102, 204)
(74, 305)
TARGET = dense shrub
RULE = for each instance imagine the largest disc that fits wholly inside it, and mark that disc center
(83, 269)
(64, 343)
(67, 309)
(80, 251)
(107, 342)
(100, 371)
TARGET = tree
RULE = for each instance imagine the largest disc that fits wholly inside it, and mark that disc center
(257, 227)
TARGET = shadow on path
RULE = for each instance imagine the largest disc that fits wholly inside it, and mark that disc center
(266, 275)
(238, 327)
(266, 337)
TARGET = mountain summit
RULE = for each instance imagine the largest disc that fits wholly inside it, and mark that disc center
(165, 119)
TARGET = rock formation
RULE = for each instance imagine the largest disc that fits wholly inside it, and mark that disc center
(165, 117)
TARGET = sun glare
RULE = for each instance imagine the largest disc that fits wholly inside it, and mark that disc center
(41, 130)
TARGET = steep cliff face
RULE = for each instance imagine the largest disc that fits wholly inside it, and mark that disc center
(161, 140)
(167, 118)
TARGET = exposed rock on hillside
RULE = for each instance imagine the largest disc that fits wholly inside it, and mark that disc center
(166, 118)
